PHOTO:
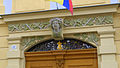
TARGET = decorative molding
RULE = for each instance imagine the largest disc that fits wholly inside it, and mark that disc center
(88, 37)
(76, 21)
(29, 41)
(30, 27)
(87, 21)
(66, 44)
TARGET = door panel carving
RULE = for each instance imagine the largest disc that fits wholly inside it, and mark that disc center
(85, 58)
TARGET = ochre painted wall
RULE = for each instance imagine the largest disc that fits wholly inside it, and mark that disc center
(78, 3)
(37, 5)
(29, 5)
(3, 44)
(2, 7)
(117, 35)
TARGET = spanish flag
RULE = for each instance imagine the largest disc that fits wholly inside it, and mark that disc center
(65, 3)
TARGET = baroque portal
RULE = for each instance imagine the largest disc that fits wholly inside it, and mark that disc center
(61, 54)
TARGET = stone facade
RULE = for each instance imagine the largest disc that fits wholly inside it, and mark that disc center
(99, 26)
(117, 35)
(3, 44)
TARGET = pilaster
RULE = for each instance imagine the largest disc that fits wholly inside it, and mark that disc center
(107, 50)
(14, 53)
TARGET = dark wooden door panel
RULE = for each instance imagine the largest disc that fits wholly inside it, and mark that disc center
(86, 58)
(42, 67)
(41, 64)
(81, 63)
(80, 66)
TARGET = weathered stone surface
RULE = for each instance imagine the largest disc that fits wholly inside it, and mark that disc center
(118, 60)
(3, 53)
(3, 30)
(117, 34)
(117, 43)
(116, 20)
(3, 42)
(3, 63)
(76, 21)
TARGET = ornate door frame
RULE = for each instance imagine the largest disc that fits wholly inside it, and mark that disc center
(106, 49)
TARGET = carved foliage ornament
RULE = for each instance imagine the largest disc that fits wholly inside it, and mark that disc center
(66, 44)
(29, 41)
(28, 27)
(88, 37)
(87, 21)
(76, 21)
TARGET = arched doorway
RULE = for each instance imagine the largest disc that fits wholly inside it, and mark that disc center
(67, 53)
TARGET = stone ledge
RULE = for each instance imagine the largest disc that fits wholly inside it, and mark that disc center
(109, 64)
(14, 55)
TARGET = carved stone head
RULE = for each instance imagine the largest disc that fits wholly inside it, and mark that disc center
(56, 26)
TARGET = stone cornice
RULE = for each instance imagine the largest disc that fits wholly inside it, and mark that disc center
(61, 13)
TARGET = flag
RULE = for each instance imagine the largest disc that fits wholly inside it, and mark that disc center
(65, 3)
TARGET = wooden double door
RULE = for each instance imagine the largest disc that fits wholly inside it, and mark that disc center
(85, 58)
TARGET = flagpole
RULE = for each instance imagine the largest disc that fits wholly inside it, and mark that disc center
(57, 5)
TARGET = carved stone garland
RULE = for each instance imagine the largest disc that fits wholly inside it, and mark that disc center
(87, 21)
(68, 22)
(28, 41)
(88, 37)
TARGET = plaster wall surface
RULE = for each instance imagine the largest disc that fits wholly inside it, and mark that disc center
(2, 7)
(29, 5)
(37, 5)
(117, 35)
(3, 44)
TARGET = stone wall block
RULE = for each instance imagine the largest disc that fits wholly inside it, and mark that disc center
(117, 43)
(116, 20)
(3, 63)
(117, 34)
(118, 59)
(3, 42)
(109, 65)
(108, 49)
(14, 63)
(3, 53)
(3, 30)
(107, 46)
